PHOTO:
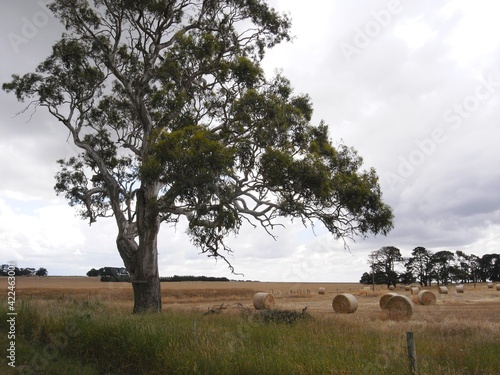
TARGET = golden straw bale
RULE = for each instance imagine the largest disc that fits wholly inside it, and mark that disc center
(321, 291)
(345, 303)
(498, 286)
(415, 290)
(263, 301)
(443, 290)
(385, 298)
(407, 288)
(365, 291)
(426, 297)
(460, 288)
(399, 308)
(490, 285)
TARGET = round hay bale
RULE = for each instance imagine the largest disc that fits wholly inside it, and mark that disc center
(460, 288)
(365, 291)
(407, 288)
(415, 290)
(426, 297)
(391, 287)
(490, 285)
(498, 286)
(345, 303)
(321, 291)
(263, 301)
(385, 298)
(399, 308)
(443, 290)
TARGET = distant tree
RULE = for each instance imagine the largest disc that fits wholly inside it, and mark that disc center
(383, 261)
(367, 278)
(108, 271)
(28, 271)
(475, 267)
(441, 263)
(93, 273)
(4, 270)
(174, 118)
(419, 265)
(41, 272)
(407, 278)
(461, 271)
(489, 267)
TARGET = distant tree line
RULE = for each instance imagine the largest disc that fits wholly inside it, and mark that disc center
(110, 274)
(425, 267)
(120, 274)
(192, 278)
(4, 271)
(108, 271)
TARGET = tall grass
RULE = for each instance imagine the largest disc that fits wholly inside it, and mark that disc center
(236, 342)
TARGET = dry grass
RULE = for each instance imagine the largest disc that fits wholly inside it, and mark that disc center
(469, 321)
(482, 303)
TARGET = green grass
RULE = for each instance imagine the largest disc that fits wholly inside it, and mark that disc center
(58, 337)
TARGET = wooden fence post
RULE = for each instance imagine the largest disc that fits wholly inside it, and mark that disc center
(412, 352)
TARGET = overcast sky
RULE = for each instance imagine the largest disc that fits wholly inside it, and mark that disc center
(413, 86)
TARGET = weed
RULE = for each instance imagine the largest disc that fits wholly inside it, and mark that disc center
(281, 316)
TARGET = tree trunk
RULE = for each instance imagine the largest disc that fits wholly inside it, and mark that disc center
(141, 260)
(146, 279)
(147, 293)
(142, 264)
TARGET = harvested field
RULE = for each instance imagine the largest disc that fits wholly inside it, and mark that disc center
(480, 301)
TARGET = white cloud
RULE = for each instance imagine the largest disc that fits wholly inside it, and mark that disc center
(388, 101)
(415, 32)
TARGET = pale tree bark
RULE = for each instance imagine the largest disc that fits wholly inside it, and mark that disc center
(145, 275)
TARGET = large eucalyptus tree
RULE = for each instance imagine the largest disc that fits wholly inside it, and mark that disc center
(174, 117)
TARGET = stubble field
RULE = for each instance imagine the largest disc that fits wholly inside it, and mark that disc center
(479, 302)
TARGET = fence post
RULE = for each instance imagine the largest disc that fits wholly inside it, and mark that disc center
(412, 352)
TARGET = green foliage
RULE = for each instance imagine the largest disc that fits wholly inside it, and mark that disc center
(191, 157)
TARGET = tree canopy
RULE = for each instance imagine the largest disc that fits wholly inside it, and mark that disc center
(426, 267)
(175, 118)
